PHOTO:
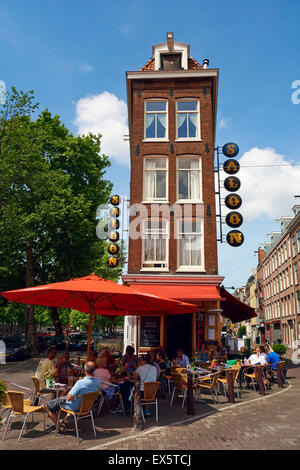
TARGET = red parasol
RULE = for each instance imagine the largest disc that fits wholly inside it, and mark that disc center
(94, 295)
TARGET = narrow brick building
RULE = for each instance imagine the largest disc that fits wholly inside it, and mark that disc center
(172, 106)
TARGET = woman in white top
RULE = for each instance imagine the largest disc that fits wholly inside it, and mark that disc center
(146, 373)
(258, 358)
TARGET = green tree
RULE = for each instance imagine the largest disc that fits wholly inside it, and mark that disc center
(51, 185)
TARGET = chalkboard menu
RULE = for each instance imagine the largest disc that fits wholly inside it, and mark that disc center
(150, 332)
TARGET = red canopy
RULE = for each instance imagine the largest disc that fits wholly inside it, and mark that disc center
(234, 309)
(188, 292)
(95, 295)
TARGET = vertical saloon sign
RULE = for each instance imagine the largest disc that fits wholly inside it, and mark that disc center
(232, 184)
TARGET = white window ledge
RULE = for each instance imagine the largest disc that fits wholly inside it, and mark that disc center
(155, 202)
(189, 201)
(155, 269)
(197, 269)
(187, 139)
(155, 140)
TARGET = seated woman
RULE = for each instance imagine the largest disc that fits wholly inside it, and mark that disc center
(161, 361)
(203, 355)
(109, 357)
(129, 360)
(222, 352)
(145, 373)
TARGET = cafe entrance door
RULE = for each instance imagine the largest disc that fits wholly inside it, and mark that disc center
(179, 334)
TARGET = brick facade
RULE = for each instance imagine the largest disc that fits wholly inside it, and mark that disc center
(201, 89)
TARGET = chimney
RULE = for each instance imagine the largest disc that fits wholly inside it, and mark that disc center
(205, 63)
(170, 41)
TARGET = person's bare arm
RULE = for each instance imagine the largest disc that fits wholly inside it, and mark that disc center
(70, 397)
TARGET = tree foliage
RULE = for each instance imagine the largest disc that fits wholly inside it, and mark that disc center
(51, 184)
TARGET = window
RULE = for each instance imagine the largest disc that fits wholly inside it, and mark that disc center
(190, 245)
(155, 244)
(156, 119)
(189, 179)
(296, 273)
(155, 179)
(298, 236)
(188, 119)
(294, 245)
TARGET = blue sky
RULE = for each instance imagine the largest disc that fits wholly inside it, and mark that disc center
(68, 50)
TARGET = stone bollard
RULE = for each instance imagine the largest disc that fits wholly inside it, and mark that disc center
(190, 398)
(279, 376)
(230, 387)
(261, 388)
(138, 420)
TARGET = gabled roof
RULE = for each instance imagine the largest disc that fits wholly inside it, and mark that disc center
(150, 65)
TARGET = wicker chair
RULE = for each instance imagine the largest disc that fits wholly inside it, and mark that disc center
(85, 411)
(20, 408)
(102, 399)
(254, 376)
(209, 383)
(39, 395)
(235, 376)
(180, 385)
(150, 397)
(6, 402)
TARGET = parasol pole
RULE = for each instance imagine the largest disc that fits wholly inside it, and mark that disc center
(92, 311)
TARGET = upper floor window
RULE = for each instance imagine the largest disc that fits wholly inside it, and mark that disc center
(190, 245)
(155, 179)
(294, 245)
(298, 235)
(155, 244)
(156, 119)
(187, 119)
(189, 179)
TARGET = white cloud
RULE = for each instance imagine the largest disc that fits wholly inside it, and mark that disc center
(107, 115)
(85, 68)
(266, 190)
(224, 123)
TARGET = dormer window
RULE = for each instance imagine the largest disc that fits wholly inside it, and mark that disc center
(170, 61)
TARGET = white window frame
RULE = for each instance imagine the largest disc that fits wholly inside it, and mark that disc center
(189, 157)
(156, 139)
(143, 261)
(180, 139)
(189, 268)
(155, 200)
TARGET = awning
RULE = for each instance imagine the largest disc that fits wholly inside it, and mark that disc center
(192, 293)
(234, 309)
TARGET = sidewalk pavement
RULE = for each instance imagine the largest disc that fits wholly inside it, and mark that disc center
(269, 422)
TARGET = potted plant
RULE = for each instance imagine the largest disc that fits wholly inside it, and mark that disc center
(280, 349)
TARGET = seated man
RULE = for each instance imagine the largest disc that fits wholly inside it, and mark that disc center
(64, 368)
(72, 401)
(46, 366)
(181, 359)
(222, 352)
(272, 359)
(110, 385)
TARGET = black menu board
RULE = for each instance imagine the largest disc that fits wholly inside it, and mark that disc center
(150, 332)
